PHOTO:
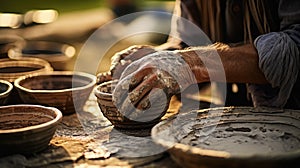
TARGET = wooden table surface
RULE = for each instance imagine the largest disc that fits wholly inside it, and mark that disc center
(87, 139)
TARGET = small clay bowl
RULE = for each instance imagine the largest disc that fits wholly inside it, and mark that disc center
(56, 53)
(103, 93)
(232, 137)
(5, 89)
(65, 90)
(27, 129)
(11, 69)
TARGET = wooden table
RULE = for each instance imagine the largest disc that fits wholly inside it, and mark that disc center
(87, 139)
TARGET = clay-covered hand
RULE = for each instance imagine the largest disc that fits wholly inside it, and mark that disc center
(146, 85)
(122, 59)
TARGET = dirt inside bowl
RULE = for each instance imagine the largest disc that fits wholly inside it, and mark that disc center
(54, 82)
(21, 120)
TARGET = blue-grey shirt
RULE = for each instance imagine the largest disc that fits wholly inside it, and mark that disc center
(279, 60)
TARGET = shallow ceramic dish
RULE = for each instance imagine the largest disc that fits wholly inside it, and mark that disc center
(65, 90)
(232, 137)
(5, 89)
(103, 93)
(56, 53)
(27, 129)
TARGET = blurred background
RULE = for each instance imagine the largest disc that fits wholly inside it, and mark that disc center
(56, 30)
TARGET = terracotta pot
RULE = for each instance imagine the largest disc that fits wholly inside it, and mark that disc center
(65, 90)
(27, 129)
(103, 93)
(5, 89)
(232, 137)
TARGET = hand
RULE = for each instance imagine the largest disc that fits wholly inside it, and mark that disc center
(146, 86)
(122, 59)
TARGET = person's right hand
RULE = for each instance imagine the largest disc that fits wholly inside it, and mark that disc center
(146, 86)
(122, 59)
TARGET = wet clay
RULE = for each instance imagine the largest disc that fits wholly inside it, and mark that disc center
(236, 131)
(247, 138)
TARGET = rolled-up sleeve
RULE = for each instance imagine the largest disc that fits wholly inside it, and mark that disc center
(279, 58)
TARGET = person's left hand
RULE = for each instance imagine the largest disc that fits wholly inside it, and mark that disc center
(147, 85)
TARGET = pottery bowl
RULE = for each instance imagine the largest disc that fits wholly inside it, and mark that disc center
(11, 69)
(27, 129)
(5, 89)
(56, 53)
(65, 90)
(232, 137)
(103, 93)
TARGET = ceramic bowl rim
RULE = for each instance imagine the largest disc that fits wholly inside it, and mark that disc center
(63, 56)
(11, 77)
(30, 60)
(57, 112)
(68, 73)
(97, 92)
(9, 89)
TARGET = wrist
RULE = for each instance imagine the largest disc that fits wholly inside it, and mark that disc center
(199, 60)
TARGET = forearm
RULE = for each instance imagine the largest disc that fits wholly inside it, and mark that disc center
(240, 64)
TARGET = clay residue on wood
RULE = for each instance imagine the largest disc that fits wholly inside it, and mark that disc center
(86, 139)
